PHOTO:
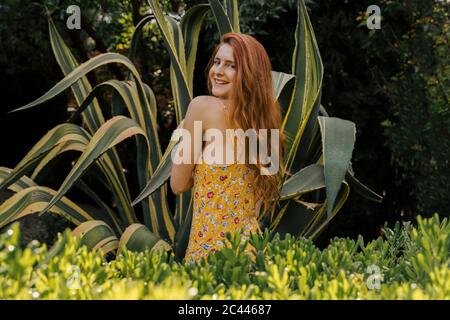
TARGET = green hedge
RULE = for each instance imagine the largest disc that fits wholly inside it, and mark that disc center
(407, 262)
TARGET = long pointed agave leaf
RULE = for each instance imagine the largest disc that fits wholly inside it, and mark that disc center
(138, 238)
(182, 239)
(222, 20)
(283, 86)
(190, 25)
(308, 179)
(60, 134)
(184, 92)
(136, 37)
(232, 8)
(279, 81)
(111, 133)
(361, 189)
(117, 85)
(322, 219)
(151, 100)
(305, 101)
(93, 117)
(185, 219)
(59, 149)
(20, 184)
(80, 72)
(108, 214)
(35, 199)
(157, 180)
(338, 140)
(143, 112)
(161, 175)
(308, 141)
(294, 217)
(97, 235)
(178, 40)
(176, 93)
(182, 205)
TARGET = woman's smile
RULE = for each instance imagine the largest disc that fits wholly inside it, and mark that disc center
(220, 82)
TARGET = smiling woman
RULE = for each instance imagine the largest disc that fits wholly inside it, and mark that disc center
(228, 196)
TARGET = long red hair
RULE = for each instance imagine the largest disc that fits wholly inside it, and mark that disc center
(253, 104)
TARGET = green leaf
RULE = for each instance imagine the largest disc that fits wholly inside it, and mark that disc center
(338, 140)
(321, 219)
(19, 184)
(138, 238)
(136, 37)
(232, 9)
(223, 22)
(293, 218)
(161, 175)
(55, 152)
(182, 239)
(308, 179)
(304, 106)
(60, 134)
(279, 81)
(190, 25)
(108, 214)
(361, 189)
(93, 117)
(35, 199)
(97, 235)
(183, 93)
(80, 72)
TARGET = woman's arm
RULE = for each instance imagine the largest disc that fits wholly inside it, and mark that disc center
(181, 178)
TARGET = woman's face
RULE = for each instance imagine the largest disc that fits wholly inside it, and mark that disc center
(222, 72)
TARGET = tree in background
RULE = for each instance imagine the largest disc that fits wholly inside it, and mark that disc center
(417, 127)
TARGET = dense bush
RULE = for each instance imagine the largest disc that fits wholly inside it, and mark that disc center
(408, 262)
(418, 129)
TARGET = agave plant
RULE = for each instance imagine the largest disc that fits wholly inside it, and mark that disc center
(319, 147)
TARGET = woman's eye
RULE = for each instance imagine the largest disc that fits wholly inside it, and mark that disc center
(233, 66)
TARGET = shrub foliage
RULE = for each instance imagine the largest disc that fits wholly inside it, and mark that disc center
(407, 262)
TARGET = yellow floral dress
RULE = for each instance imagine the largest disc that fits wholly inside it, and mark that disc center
(223, 202)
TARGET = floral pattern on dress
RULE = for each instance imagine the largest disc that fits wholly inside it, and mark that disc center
(223, 202)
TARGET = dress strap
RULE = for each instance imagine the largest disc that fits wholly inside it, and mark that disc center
(223, 105)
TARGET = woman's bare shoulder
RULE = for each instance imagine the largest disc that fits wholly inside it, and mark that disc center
(207, 101)
(205, 106)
